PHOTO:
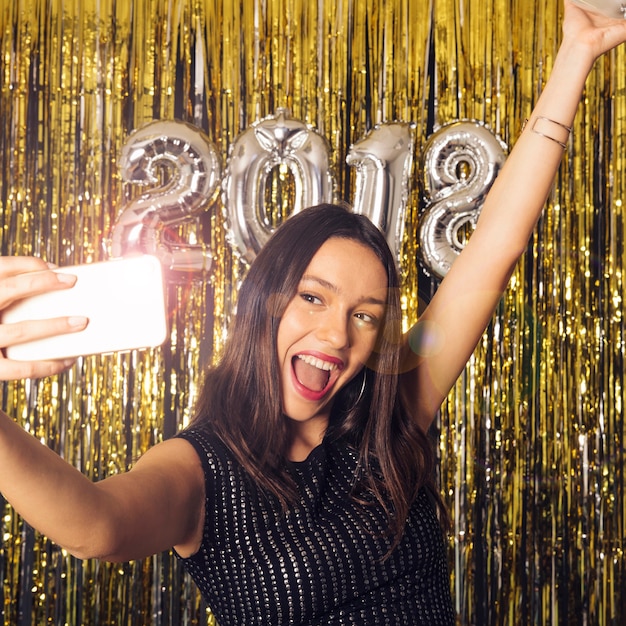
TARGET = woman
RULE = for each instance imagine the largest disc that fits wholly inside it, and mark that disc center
(329, 446)
(301, 493)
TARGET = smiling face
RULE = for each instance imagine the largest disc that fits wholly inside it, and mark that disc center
(329, 328)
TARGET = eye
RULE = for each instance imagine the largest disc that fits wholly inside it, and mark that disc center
(310, 298)
(366, 318)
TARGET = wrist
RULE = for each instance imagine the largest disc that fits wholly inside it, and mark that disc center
(576, 54)
(550, 129)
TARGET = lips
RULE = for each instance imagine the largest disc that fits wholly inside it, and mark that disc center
(314, 375)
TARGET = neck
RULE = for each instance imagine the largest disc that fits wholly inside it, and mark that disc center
(305, 437)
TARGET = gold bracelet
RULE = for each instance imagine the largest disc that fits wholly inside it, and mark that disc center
(547, 119)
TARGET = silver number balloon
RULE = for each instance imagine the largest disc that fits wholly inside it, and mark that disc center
(383, 160)
(185, 166)
(460, 163)
(272, 141)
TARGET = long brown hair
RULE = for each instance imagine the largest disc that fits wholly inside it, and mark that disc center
(241, 399)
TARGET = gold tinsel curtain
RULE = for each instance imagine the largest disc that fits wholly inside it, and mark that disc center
(530, 438)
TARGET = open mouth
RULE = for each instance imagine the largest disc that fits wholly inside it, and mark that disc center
(312, 373)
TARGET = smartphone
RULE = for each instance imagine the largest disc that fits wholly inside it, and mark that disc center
(124, 300)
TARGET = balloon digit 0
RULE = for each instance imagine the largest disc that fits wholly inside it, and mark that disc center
(275, 140)
(460, 162)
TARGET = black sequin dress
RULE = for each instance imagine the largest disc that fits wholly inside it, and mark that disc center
(321, 563)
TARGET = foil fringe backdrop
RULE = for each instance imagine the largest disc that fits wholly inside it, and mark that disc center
(530, 438)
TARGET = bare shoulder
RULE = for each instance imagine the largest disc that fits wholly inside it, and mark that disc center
(173, 454)
(158, 504)
(172, 469)
(174, 464)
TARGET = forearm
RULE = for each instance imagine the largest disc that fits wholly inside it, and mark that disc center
(49, 493)
(518, 196)
(439, 346)
(156, 505)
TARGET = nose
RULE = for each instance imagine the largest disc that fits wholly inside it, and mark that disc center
(334, 330)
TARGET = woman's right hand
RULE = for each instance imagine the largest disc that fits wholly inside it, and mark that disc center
(21, 277)
(593, 29)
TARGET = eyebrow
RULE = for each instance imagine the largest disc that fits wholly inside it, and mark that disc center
(332, 287)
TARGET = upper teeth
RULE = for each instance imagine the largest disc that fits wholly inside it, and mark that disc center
(315, 362)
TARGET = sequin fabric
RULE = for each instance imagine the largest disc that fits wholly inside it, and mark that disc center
(320, 563)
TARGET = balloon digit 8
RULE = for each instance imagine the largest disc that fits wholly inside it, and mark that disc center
(460, 163)
(461, 160)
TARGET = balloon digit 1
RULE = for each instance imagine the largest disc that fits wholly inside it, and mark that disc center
(275, 140)
(192, 170)
(383, 160)
(460, 163)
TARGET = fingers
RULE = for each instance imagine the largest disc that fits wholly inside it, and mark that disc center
(11, 266)
(591, 31)
(16, 370)
(21, 277)
(20, 332)
(587, 21)
(27, 276)
(14, 334)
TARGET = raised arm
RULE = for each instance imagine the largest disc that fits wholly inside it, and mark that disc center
(444, 338)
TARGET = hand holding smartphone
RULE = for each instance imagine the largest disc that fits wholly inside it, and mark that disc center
(123, 299)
